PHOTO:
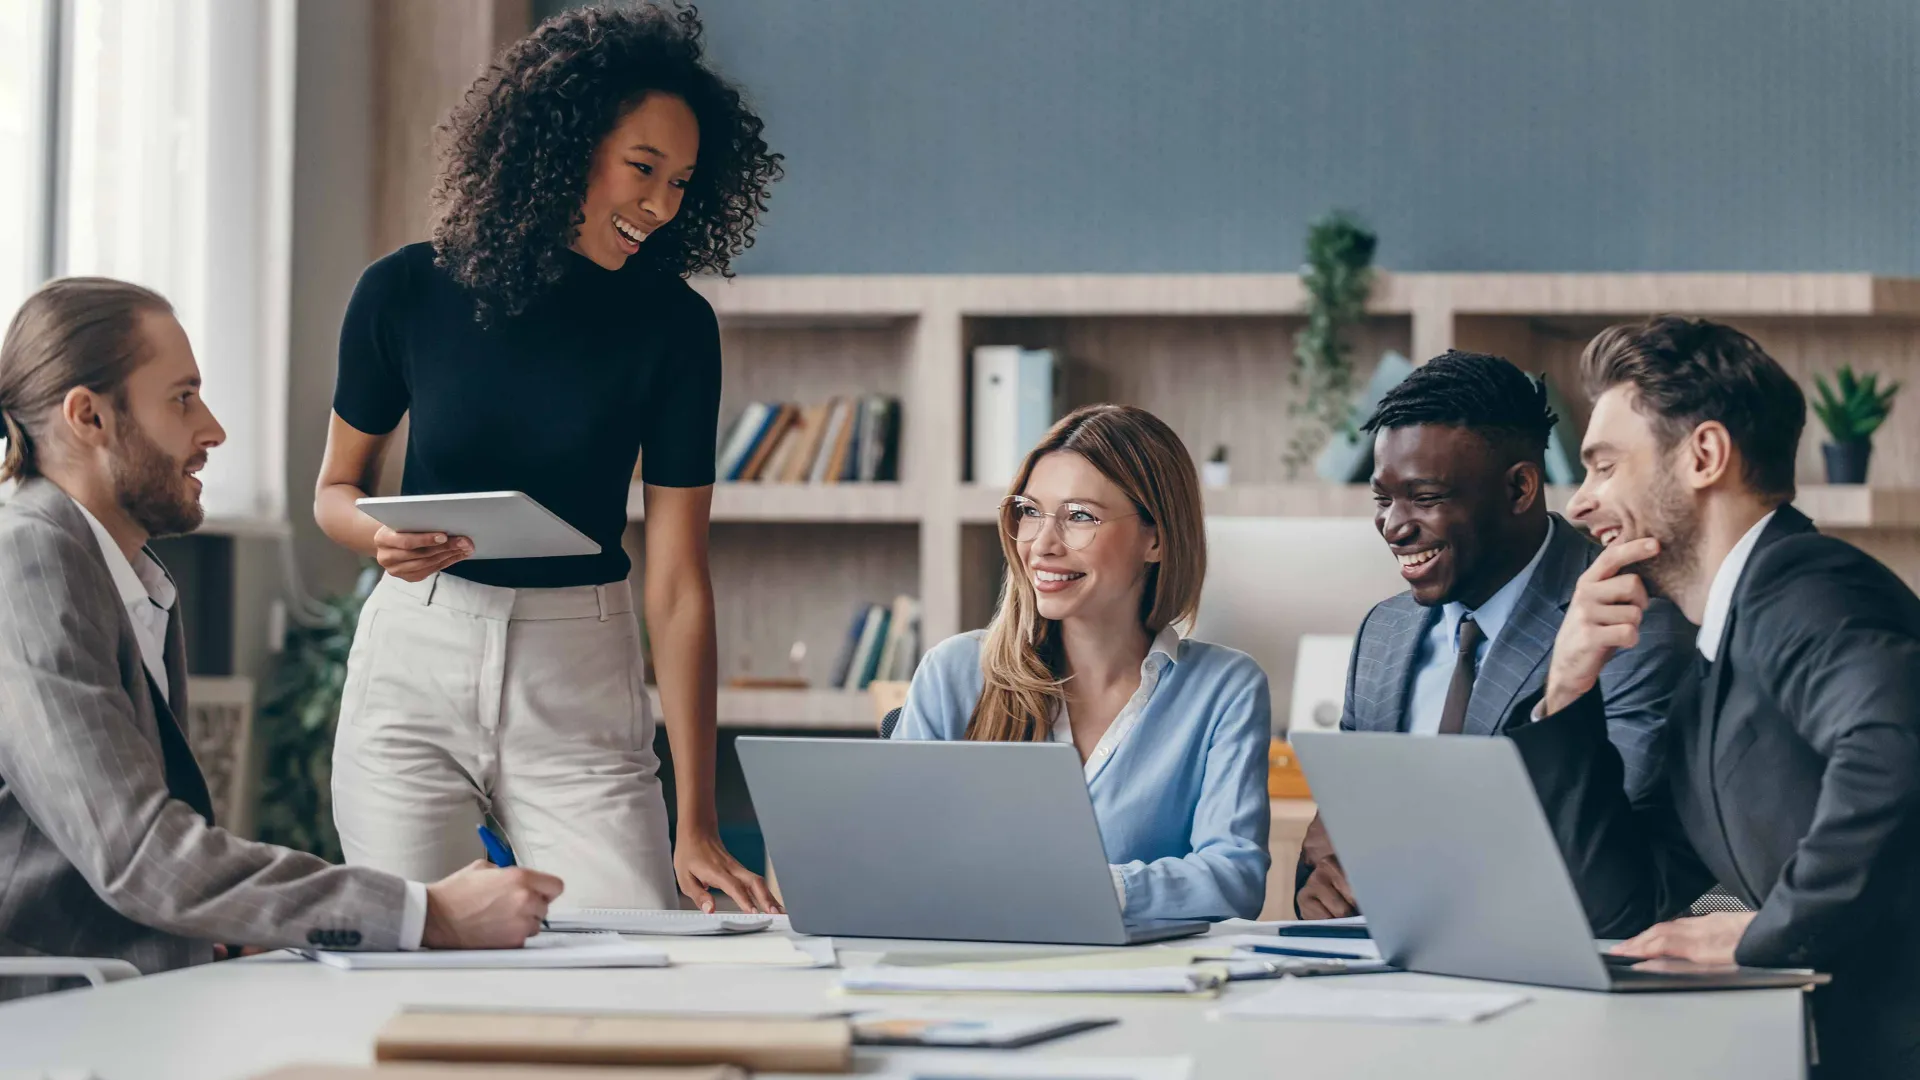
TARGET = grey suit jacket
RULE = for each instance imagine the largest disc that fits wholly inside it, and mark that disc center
(96, 858)
(1637, 682)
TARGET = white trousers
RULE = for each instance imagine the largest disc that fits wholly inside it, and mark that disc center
(464, 699)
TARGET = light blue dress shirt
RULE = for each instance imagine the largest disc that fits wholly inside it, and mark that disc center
(1181, 799)
(1433, 661)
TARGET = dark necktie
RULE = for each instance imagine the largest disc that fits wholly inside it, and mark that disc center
(1460, 690)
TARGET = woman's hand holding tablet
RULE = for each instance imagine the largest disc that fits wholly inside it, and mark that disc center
(417, 556)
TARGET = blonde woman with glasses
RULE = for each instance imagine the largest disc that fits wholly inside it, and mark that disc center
(1105, 553)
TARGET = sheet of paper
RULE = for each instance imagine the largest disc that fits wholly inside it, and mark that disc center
(1134, 959)
(1308, 999)
(923, 1028)
(759, 950)
(1352, 948)
(646, 921)
(541, 951)
(934, 980)
(1249, 926)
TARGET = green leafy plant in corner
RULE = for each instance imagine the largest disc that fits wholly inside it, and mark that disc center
(1338, 278)
(1858, 407)
(297, 724)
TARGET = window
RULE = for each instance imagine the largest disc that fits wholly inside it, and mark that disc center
(26, 47)
(174, 170)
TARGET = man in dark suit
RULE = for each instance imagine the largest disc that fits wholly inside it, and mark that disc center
(1793, 772)
(1458, 477)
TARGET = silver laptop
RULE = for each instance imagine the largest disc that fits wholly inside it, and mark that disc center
(954, 841)
(1457, 871)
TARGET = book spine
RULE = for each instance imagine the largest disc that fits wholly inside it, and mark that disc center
(889, 468)
(908, 658)
(763, 449)
(771, 413)
(996, 372)
(881, 618)
(862, 652)
(1036, 402)
(870, 435)
(811, 425)
(844, 663)
(744, 428)
(822, 458)
(849, 470)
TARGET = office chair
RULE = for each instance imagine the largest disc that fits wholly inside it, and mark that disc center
(98, 971)
(889, 722)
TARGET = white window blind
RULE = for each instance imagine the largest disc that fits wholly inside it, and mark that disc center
(25, 112)
(177, 175)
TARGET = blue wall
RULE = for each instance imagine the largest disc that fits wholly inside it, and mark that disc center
(1156, 135)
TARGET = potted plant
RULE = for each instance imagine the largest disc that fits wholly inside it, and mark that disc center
(297, 722)
(1851, 409)
(1338, 278)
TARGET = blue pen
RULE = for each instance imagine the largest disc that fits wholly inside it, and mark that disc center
(498, 852)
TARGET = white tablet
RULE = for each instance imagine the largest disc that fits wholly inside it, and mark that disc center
(501, 524)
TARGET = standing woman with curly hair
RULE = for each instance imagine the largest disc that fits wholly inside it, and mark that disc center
(542, 341)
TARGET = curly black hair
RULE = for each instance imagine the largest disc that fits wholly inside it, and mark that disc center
(518, 148)
(1482, 393)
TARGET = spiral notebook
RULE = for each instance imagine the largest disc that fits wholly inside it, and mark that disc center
(643, 921)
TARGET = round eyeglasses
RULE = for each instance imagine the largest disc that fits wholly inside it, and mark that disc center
(1022, 519)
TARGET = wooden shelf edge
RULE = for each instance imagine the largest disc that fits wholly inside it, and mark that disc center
(903, 296)
(793, 710)
(800, 503)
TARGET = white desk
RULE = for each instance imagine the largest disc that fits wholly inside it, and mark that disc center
(233, 1020)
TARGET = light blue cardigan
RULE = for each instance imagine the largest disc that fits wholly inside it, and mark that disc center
(1182, 803)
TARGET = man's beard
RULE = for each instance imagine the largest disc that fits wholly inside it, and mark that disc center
(1674, 522)
(152, 487)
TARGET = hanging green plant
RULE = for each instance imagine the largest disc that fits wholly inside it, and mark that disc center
(297, 723)
(1338, 278)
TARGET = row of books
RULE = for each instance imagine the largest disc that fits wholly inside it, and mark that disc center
(842, 441)
(883, 643)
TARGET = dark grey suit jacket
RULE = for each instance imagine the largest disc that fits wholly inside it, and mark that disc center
(1794, 780)
(1637, 681)
(99, 854)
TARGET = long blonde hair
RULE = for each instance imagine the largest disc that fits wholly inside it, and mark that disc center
(1022, 658)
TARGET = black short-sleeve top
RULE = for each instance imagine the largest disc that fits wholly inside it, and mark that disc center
(606, 367)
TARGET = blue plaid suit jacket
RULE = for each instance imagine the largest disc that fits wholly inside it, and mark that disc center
(1637, 682)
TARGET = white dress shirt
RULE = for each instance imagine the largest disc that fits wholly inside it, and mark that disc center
(1713, 621)
(149, 595)
(1164, 651)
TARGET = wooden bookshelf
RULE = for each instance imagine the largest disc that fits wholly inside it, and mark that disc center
(1211, 354)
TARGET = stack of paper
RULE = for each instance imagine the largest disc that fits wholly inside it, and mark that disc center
(645, 921)
(759, 950)
(1291, 1000)
(1345, 948)
(940, 980)
(541, 951)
